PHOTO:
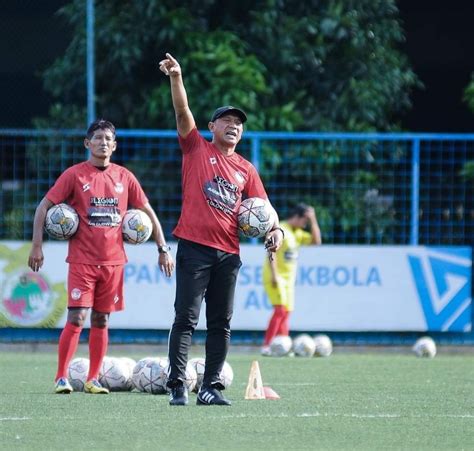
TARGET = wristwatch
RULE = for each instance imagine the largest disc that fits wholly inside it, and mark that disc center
(164, 249)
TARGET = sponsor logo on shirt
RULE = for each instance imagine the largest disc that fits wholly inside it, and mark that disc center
(291, 255)
(103, 212)
(103, 201)
(219, 206)
(221, 194)
(221, 181)
(104, 216)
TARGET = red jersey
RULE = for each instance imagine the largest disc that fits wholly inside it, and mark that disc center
(100, 198)
(213, 185)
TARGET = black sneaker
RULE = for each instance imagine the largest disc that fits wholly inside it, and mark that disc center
(211, 396)
(179, 395)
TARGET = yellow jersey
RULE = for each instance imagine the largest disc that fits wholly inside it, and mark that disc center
(287, 255)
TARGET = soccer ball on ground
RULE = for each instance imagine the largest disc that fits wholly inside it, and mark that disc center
(191, 377)
(226, 376)
(256, 217)
(136, 227)
(199, 365)
(130, 364)
(137, 368)
(61, 222)
(113, 374)
(304, 345)
(323, 345)
(153, 376)
(77, 373)
(425, 347)
(281, 345)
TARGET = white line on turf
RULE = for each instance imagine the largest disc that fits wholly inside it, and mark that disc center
(289, 384)
(14, 419)
(349, 415)
(344, 415)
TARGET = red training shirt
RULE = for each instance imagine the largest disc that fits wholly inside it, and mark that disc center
(100, 198)
(213, 185)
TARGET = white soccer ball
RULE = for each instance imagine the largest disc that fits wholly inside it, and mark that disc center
(130, 364)
(137, 368)
(77, 373)
(191, 377)
(136, 227)
(425, 347)
(226, 376)
(323, 345)
(113, 374)
(255, 217)
(199, 365)
(281, 345)
(61, 222)
(153, 377)
(304, 345)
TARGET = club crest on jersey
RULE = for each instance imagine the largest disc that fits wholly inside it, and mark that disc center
(118, 187)
(239, 177)
(76, 294)
(86, 187)
(213, 160)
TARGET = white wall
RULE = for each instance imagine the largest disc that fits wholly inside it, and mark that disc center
(339, 288)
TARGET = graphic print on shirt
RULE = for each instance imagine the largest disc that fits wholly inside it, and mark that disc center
(104, 212)
(221, 194)
(291, 255)
(291, 252)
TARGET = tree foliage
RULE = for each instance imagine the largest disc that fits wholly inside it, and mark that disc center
(468, 168)
(469, 94)
(291, 65)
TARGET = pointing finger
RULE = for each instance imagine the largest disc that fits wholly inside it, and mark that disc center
(170, 57)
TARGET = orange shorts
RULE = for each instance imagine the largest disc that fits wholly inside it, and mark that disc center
(96, 286)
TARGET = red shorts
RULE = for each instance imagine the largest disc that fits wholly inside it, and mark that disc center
(96, 286)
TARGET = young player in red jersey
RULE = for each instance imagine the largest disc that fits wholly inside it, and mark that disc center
(214, 179)
(100, 192)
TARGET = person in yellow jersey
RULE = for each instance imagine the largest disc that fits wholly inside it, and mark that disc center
(279, 272)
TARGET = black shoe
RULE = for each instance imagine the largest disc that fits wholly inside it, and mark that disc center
(211, 396)
(179, 395)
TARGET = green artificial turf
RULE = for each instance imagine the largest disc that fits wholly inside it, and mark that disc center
(347, 401)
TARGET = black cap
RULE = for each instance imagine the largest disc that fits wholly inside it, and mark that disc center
(223, 110)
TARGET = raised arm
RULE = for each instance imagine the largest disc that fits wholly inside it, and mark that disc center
(184, 118)
(35, 259)
(314, 226)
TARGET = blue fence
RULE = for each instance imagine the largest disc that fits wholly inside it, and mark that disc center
(399, 188)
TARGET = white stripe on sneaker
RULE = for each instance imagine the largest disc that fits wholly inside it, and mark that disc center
(207, 397)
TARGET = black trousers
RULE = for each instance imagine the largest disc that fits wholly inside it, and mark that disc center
(202, 272)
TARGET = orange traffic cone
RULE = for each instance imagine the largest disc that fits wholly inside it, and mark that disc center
(270, 393)
(255, 385)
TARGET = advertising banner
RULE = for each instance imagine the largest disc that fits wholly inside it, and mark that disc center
(338, 288)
